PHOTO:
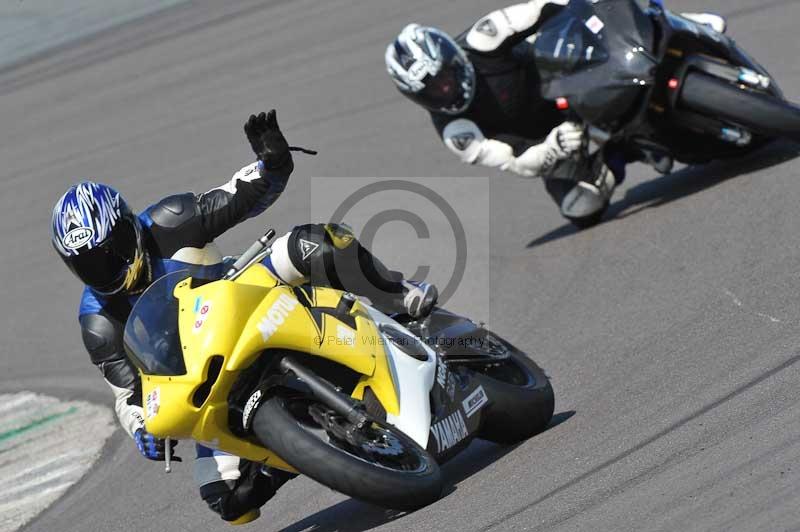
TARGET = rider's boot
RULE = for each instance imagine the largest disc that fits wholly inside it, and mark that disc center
(713, 21)
(271, 480)
(589, 197)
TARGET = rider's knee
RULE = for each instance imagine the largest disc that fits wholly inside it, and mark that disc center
(218, 498)
(310, 252)
(314, 250)
(239, 499)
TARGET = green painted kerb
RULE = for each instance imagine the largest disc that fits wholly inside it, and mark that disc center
(36, 423)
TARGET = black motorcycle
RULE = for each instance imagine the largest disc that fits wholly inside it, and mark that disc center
(650, 84)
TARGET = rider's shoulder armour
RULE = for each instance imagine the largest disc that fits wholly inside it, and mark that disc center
(489, 33)
(174, 223)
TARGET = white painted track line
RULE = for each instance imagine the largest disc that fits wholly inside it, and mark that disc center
(46, 445)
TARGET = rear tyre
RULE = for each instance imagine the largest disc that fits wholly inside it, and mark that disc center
(389, 469)
(761, 113)
(521, 398)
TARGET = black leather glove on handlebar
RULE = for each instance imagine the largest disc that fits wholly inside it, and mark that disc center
(266, 139)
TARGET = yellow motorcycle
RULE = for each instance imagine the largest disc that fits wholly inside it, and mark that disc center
(313, 380)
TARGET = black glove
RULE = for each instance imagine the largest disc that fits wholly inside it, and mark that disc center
(267, 141)
(153, 448)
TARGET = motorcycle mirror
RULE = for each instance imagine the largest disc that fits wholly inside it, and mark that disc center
(254, 253)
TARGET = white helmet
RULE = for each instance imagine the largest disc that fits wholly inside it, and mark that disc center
(429, 67)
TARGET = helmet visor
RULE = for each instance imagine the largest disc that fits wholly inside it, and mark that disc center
(452, 88)
(105, 267)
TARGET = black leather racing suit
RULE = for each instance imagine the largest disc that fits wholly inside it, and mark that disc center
(507, 124)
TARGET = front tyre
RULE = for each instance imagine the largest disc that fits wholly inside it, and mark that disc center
(521, 397)
(379, 464)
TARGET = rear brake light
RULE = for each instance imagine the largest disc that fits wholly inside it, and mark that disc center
(673, 83)
(562, 104)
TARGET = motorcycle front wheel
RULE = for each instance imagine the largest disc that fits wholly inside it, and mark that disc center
(376, 463)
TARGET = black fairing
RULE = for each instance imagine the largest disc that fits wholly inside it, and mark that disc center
(443, 329)
(598, 56)
(452, 336)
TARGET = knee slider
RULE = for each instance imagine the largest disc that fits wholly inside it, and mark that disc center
(218, 497)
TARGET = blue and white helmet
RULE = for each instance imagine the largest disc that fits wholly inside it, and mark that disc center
(429, 67)
(99, 238)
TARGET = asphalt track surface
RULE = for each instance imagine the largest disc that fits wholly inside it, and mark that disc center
(670, 332)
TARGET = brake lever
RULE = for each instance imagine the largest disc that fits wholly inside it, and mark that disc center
(168, 456)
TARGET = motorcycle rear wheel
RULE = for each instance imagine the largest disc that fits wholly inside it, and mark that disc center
(389, 469)
(521, 398)
(761, 113)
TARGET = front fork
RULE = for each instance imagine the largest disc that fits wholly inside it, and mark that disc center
(326, 393)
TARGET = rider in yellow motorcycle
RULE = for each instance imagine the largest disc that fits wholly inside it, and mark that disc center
(118, 254)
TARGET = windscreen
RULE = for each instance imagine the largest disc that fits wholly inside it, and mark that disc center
(597, 55)
(568, 43)
(151, 334)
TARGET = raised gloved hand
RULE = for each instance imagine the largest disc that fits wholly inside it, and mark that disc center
(266, 139)
(153, 448)
(566, 139)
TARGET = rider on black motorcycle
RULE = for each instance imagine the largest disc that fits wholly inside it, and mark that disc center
(484, 99)
(118, 254)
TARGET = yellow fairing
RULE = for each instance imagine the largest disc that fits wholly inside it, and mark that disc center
(232, 324)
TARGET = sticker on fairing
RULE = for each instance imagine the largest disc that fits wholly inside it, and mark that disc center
(595, 25)
(446, 380)
(449, 431)
(474, 401)
(201, 310)
(451, 388)
(276, 315)
(441, 375)
(153, 402)
(345, 335)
